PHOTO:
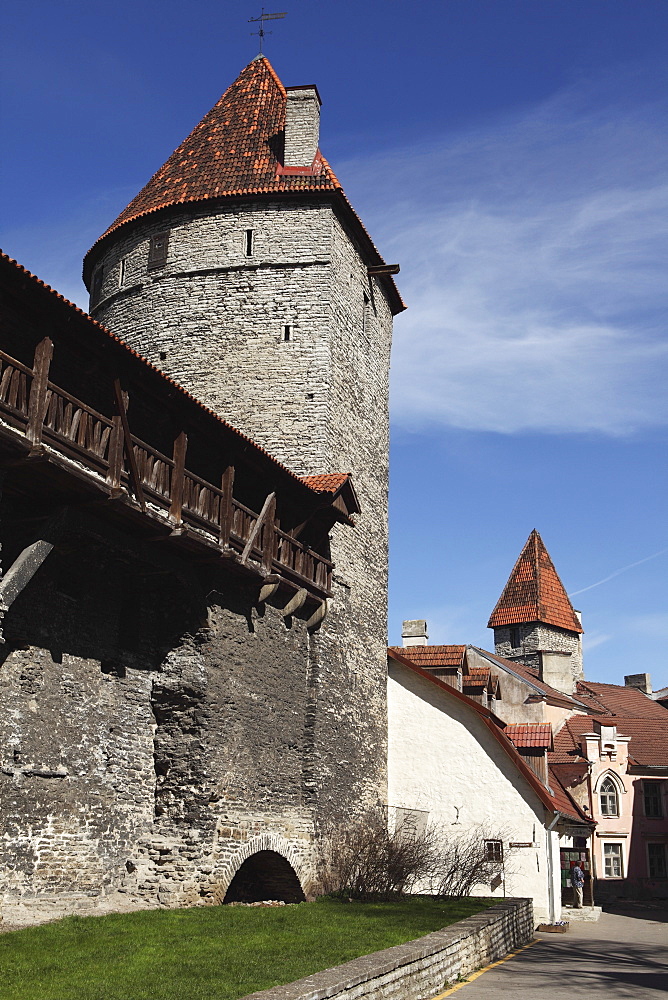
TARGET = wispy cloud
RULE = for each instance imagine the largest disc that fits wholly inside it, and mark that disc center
(618, 572)
(591, 641)
(531, 253)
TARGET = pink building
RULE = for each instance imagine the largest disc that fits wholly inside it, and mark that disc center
(616, 765)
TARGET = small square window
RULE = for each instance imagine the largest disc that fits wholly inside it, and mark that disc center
(157, 251)
(494, 851)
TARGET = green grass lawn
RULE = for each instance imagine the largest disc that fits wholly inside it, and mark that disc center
(217, 953)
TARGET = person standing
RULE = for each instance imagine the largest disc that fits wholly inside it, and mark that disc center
(577, 881)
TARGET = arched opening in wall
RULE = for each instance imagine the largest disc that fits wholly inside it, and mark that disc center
(265, 875)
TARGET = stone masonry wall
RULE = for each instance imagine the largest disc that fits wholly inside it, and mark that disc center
(421, 968)
(535, 636)
(215, 320)
(156, 732)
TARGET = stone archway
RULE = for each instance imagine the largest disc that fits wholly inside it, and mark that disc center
(265, 875)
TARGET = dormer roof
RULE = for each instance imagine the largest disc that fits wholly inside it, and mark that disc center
(237, 151)
(534, 592)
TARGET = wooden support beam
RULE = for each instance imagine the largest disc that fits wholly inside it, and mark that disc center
(317, 615)
(268, 588)
(22, 570)
(121, 402)
(226, 506)
(38, 391)
(381, 269)
(178, 477)
(295, 603)
(268, 507)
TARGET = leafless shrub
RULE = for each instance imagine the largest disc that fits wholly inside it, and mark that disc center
(468, 859)
(370, 860)
(367, 860)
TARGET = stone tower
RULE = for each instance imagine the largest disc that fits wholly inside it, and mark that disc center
(243, 272)
(534, 621)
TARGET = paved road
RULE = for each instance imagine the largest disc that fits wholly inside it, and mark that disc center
(624, 956)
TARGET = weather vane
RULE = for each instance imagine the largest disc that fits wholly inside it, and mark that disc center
(262, 18)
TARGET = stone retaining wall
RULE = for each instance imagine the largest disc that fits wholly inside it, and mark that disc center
(421, 968)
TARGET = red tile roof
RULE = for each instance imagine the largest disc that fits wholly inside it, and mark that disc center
(476, 677)
(613, 699)
(648, 746)
(327, 483)
(532, 734)
(236, 151)
(534, 592)
(562, 799)
(429, 657)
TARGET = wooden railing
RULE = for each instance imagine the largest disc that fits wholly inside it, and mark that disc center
(104, 446)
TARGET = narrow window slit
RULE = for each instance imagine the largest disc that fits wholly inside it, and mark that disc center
(249, 242)
(287, 332)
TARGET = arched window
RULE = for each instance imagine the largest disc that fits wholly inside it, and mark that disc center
(609, 798)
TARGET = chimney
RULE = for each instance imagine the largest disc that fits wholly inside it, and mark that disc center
(641, 681)
(302, 126)
(556, 670)
(414, 633)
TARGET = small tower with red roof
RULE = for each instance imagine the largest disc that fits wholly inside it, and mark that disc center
(534, 621)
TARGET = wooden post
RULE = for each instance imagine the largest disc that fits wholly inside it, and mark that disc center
(38, 391)
(226, 507)
(115, 453)
(269, 535)
(121, 402)
(178, 477)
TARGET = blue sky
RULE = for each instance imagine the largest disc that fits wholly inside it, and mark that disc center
(511, 155)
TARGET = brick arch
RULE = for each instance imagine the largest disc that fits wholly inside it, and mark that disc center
(266, 843)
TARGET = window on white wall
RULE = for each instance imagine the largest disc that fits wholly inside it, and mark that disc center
(494, 850)
(612, 860)
(609, 798)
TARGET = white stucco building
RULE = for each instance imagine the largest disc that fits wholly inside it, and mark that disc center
(449, 760)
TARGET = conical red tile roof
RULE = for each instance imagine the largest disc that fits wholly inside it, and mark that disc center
(534, 592)
(237, 151)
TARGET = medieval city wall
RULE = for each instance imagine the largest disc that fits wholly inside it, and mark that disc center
(157, 731)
